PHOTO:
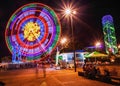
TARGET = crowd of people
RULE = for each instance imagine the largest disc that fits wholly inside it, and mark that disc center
(93, 72)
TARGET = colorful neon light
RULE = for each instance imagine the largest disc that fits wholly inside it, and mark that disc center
(35, 29)
(109, 34)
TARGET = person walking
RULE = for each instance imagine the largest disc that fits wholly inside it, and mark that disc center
(37, 70)
(44, 69)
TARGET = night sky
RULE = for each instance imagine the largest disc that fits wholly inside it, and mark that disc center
(87, 29)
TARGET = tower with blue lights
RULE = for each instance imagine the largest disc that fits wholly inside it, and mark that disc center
(109, 34)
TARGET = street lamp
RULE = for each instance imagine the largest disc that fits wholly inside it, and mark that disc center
(97, 45)
(119, 48)
(69, 13)
(63, 40)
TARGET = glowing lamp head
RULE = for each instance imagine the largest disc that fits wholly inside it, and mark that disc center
(119, 46)
(63, 40)
(68, 11)
(97, 44)
(74, 12)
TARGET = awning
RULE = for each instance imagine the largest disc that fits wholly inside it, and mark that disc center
(96, 54)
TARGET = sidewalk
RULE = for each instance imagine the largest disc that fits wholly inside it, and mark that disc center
(53, 78)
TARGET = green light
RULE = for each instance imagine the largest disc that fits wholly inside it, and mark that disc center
(12, 18)
(31, 5)
(109, 34)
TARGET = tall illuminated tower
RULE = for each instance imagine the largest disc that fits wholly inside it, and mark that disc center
(109, 34)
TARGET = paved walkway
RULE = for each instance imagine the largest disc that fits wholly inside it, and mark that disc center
(28, 77)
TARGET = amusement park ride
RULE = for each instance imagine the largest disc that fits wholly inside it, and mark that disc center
(32, 31)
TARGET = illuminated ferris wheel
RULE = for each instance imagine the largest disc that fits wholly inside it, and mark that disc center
(32, 30)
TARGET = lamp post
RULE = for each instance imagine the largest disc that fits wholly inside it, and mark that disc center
(69, 13)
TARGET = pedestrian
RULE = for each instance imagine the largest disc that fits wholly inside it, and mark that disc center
(106, 77)
(37, 70)
(2, 83)
(98, 72)
(44, 69)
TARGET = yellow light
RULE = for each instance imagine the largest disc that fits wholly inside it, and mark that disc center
(74, 12)
(119, 46)
(63, 40)
(97, 44)
(31, 31)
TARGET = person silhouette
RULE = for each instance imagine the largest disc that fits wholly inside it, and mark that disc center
(37, 70)
(44, 69)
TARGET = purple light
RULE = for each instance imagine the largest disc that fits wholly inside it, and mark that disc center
(107, 19)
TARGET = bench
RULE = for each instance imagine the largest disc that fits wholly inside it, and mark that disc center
(109, 79)
(115, 78)
(80, 73)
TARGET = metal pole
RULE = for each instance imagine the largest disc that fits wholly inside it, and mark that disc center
(74, 57)
(57, 53)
